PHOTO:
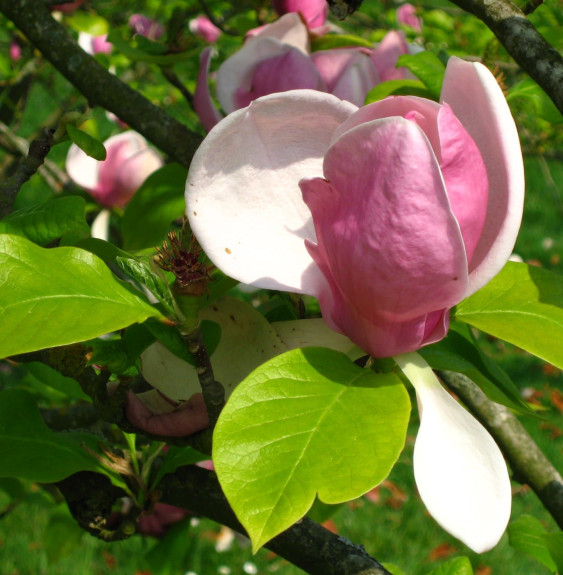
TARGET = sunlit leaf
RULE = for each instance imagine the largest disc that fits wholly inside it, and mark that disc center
(89, 145)
(526, 533)
(306, 422)
(523, 305)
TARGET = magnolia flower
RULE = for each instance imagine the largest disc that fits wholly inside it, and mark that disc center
(146, 27)
(204, 28)
(68, 7)
(114, 181)
(94, 44)
(160, 519)
(406, 15)
(389, 214)
(314, 12)
(15, 50)
(278, 59)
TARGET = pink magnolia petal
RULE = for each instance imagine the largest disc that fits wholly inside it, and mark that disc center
(465, 176)
(459, 470)
(203, 27)
(289, 29)
(243, 199)
(477, 100)
(385, 56)
(315, 12)
(206, 110)
(423, 111)
(128, 163)
(406, 15)
(349, 74)
(290, 70)
(385, 229)
(189, 418)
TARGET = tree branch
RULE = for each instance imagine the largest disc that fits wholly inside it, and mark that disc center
(306, 544)
(100, 87)
(527, 461)
(523, 42)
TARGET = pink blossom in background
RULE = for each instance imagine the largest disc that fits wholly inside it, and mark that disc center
(94, 44)
(389, 215)
(146, 27)
(114, 181)
(162, 517)
(68, 7)
(204, 28)
(406, 15)
(15, 51)
(314, 12)
(277, 58)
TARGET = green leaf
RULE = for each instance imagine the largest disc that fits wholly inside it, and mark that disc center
(143, 274)
(89, 145)
(52, 378)
(48, 221)
(457, 566)
(331, 41)
(523, 305)
(306, 422)
(30, 450)
(157, 203)
(459, 352)
(177, 457)
(138, 55)
(88, 22)
(428, 68)
(53, 297)
(527, 535)
(554, 544)
(172, 553)
(62, 534)
(528, 91)
(398, 88)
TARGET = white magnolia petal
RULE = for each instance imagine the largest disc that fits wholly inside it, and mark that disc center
(289, 29)
(82, 169)
(247, 341)
(459, 470)
(315, 332)
(478, 102)
(100, 225)
(242, 194)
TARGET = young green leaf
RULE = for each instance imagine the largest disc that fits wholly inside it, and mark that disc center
(157, 203)
(307, 422)
(459, 352)
(457, 566)
(527, 535)
(428, 68)
(89, 145)
(58, 296)
(30, 450)
(523, 305)
(397, 88)
(45, 222)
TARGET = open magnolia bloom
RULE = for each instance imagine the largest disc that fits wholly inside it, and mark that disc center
(389, 214)
(277, 58)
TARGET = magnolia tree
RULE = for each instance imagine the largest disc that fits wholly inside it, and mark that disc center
(249, 245)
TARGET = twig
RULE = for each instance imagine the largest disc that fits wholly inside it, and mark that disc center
(306, 544)
(26, 167)
(528, 463)
(523, 42)
(98, 85)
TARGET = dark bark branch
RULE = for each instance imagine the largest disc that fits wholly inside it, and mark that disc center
(528, 463)
(26, 167)
(306, 544)
(100, 87)
(523, 42)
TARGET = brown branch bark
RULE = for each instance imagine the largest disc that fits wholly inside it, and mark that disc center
(523, 42)
(306, 544)
(100, 87)
(528, 463)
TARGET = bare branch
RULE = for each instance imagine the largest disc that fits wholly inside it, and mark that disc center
(523, 42)
(100, 87)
